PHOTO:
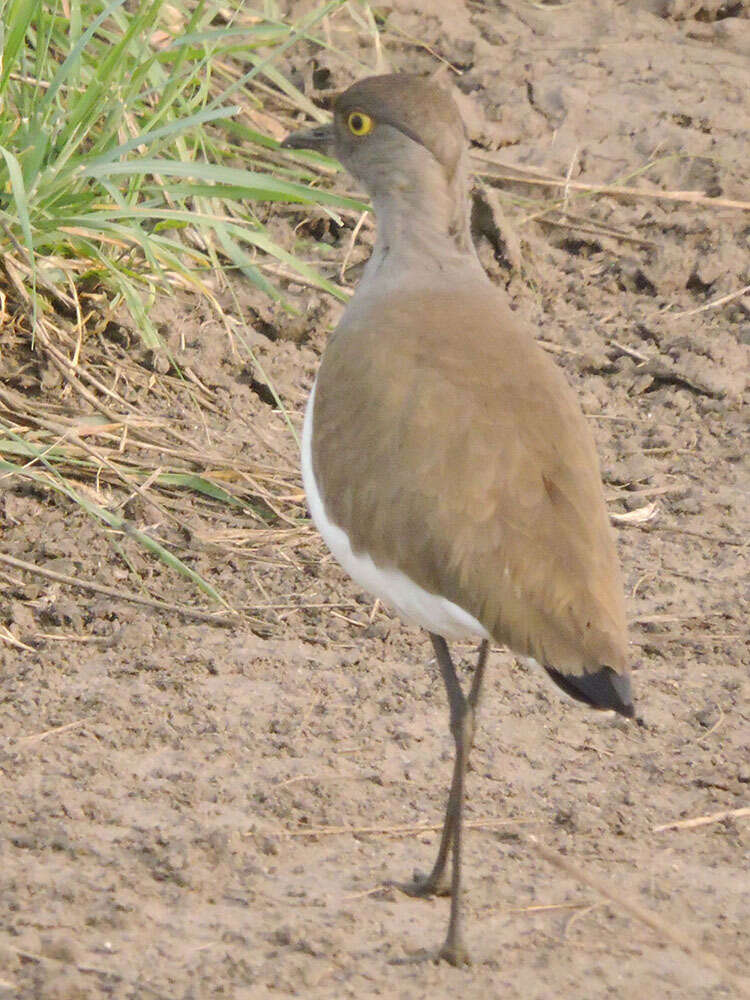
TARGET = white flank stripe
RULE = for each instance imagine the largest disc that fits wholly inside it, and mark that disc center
(394, 588)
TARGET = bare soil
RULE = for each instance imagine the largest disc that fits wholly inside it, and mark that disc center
(162, 779)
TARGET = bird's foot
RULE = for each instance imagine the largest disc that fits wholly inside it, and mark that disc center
(454, 951)
(424, 886)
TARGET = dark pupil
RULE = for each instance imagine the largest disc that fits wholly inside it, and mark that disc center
(357, 123)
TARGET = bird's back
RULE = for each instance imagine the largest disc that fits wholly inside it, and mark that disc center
(449, 446)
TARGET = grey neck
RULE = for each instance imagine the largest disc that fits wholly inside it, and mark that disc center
(424, 233)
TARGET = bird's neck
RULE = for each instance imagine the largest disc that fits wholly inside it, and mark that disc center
(422, 229)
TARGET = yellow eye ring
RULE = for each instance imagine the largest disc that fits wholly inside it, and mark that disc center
(359, 123)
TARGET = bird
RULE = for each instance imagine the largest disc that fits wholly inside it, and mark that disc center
(446, 461)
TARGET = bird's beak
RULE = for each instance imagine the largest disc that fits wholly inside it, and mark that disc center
(320, 138)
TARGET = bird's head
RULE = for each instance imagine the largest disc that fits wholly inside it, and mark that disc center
(392, 132)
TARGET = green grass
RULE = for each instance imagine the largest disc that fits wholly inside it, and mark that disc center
(131, 164)
(125, 157)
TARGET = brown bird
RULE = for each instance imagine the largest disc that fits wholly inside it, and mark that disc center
(446, 461)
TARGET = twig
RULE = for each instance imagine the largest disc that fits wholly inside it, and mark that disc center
(291, 606)
(584, 746)
(661, 371)
(7, 636)
(686, 637)
(715, 726)
(320, 778)
(649, 491)
(103, 641)
(396, 831)
(365, 892)
(553, 348)
(38, 737)
(665, 930)
(68, 372)
(534, 908)
(592, 229)
(696, 821)
(568, 176)
(630, 351)
(657, 619)
(226, 621)
(686, 197)
(714, 304)
(583, 223)
(350, 248)
(665, 528)
(131, 484)
(297, 279)
(575, 917)
(545, 907)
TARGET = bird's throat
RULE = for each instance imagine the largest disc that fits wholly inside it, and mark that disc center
(421, 233)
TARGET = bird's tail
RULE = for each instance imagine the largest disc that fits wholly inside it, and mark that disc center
(604, 688)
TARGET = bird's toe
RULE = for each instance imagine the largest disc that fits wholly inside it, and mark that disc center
(423, 886)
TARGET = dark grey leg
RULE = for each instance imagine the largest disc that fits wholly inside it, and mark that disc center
(462, 721)
(437, 882)
(475, 693)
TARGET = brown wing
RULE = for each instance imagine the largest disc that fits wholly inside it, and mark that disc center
(460, 456)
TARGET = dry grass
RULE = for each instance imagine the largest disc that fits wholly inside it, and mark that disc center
(182, 204)
(164, 187)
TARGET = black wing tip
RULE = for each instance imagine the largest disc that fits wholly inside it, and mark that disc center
(603, 689)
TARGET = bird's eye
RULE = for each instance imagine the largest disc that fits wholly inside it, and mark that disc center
(359, 123)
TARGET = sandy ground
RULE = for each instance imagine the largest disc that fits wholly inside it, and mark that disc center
(162, 780)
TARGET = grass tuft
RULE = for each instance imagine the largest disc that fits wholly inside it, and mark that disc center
(139, 156)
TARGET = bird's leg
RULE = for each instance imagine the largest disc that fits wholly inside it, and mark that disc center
(453, 949)
(475, 692)
(437, 882)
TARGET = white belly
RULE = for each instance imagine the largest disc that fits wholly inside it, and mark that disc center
(394, 588)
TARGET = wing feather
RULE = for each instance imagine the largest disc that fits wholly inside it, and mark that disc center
(449, 445)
